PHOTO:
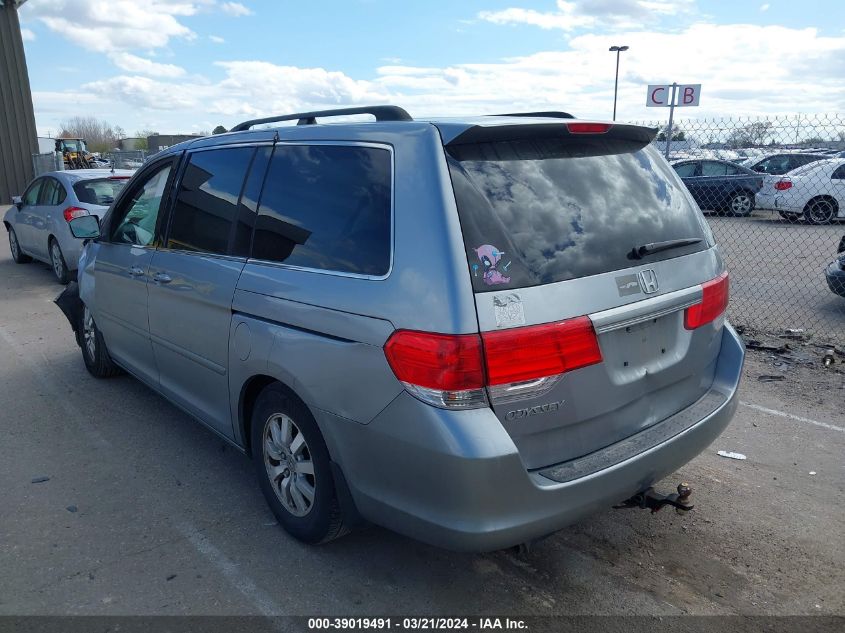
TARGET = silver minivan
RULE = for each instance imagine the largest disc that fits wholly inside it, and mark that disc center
(471, 331)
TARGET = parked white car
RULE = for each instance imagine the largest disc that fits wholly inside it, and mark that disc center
(815, 191)
(38, 220)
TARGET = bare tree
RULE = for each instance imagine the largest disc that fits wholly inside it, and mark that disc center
(142, 136)
(751, 135)
(100, 135)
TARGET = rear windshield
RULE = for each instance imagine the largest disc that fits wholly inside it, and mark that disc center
(101, 191)
(537, 212)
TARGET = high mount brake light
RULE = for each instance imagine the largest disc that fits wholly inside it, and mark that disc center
(74, 212)
(452, 371)
(714, 301)
(588, 128)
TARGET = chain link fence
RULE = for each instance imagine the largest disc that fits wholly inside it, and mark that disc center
(42, 163)
(129, 159)
(773, 191)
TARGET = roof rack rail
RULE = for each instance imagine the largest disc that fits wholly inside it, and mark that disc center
(550, 114)
(381, 113)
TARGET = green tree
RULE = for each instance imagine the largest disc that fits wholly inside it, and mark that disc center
(219, 130)
(142, 136)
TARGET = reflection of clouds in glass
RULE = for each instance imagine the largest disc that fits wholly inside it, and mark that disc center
(572, 217)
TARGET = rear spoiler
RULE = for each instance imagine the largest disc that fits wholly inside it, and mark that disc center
(575, 130)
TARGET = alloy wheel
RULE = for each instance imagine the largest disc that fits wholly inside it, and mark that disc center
(289, 466)
(820, 212)
(56, 260)
(13, 245)
(741, 204)
(89, 334)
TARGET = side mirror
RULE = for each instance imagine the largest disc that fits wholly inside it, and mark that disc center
(85, 227)
(17, 201)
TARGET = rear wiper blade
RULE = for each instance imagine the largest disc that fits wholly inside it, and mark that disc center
(638, 252)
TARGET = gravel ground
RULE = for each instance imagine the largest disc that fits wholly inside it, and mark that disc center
(145, 512)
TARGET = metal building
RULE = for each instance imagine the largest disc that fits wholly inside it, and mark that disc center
(18, 138)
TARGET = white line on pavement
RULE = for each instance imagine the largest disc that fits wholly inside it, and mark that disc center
(791, 416)
(230, 571)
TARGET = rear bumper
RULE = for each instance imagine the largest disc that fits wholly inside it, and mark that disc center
(456, 480)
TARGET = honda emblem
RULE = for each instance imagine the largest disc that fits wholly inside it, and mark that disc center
(648, 281)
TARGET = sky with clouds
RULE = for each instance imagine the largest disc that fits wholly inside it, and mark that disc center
(189, 65)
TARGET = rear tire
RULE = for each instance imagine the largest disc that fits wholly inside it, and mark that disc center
(94, 352)
(293, 467)
(57, 262)
(15, 247)
(819, 212)
(741, 204)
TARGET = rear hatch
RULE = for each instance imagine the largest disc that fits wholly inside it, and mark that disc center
(598, 291)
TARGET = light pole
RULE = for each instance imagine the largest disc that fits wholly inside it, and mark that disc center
(617, 50)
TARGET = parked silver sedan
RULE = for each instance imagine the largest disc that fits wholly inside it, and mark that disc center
(38, 220)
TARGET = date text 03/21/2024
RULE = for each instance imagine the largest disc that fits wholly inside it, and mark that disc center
(416, 624)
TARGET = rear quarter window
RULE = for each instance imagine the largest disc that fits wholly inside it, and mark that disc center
(326, 207)
(535, 212)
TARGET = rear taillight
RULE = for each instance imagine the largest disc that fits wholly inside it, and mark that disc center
(440, 369)
(714, 301)
(452, 371)
(74, 212)
(783, 185)
(588, 128)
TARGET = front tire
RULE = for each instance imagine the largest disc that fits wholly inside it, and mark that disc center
(94, 352)
(741, 204)
(57, 262)
(820, 212)
(15, 247)
(293, 467)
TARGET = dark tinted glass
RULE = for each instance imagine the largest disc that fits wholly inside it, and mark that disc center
(249, 203)
(529, 221)
(712, 168)
(687, 170)
(48, 192)
(839, 173)
(207, 202)
(100, 191)
(326, 207)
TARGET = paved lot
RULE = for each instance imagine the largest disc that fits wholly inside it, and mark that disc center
(777, 273)
(168, 520)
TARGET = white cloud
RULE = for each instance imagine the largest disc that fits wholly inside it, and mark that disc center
(588, 14)
(744, 70)
(134, 64)
(27, 35)
(764, 7)
(115, 25)
(235, 8)
(216, 39)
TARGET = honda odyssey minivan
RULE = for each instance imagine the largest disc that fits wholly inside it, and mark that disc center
(471, 331)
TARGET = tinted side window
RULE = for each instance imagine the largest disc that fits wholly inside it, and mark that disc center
(687, 170)
(52, 193)
(326, 207)
(48, 190)
(248, 206)
(710, 168)
(733, 170)
(207, 202)
(31, 195)
(839, 173)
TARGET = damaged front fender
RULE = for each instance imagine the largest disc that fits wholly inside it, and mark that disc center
(71, 305)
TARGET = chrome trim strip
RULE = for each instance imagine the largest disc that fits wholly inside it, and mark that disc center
(645, 310)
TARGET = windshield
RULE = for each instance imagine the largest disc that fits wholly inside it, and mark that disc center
(538, 212)
(101, 191)
(74, 145)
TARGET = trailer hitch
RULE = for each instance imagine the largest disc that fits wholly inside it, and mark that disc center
(649, 499)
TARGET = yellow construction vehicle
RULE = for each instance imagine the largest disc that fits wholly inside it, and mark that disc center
(75, 153)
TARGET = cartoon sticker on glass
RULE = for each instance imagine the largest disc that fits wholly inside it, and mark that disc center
(490, 256)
